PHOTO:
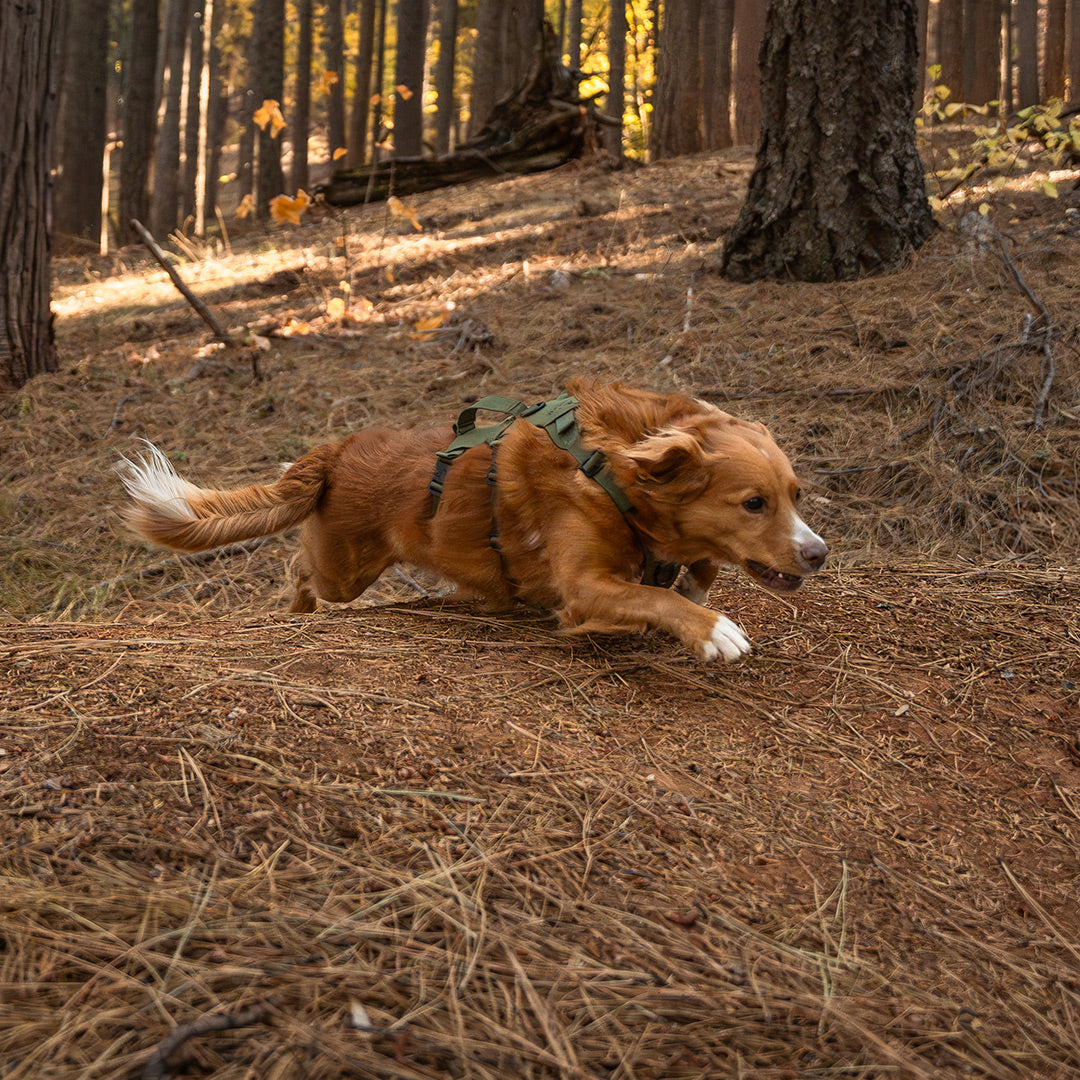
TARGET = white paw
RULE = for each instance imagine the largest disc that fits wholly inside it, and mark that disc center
(726, 641)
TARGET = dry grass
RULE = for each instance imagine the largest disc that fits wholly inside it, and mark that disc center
(409, 840)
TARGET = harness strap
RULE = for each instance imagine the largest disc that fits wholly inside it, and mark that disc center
(557, 417)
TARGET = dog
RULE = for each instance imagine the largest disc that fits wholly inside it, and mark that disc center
(515, 513)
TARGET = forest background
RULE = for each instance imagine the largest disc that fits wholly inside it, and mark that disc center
(161, 99)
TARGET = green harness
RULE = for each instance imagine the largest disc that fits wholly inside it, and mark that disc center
(558, 419)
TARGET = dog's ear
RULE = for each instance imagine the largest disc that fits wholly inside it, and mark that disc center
(662, 458)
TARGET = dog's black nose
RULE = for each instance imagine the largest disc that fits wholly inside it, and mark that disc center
(814, 553)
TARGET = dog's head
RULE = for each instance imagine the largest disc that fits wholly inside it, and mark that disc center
(710, 486)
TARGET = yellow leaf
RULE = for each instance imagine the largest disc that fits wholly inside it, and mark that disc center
(269, 113)
(246, 207)
(329, 79)
(375, 99)
(296, 328)
(388, 273)
(283, 209)
(425, 328)
(399, 210)
(935, 203)
(984, 209)
(941, 91)
(335, 307)
(1049, 188)
(340, 152)
(403, 91)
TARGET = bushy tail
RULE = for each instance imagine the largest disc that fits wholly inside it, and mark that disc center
(170, 511)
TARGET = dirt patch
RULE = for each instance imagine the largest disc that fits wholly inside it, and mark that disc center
(408, 839)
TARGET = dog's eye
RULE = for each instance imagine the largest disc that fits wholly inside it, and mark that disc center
(754, 505)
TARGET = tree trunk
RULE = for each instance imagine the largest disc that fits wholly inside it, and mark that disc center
(1053, 85)
(165, 197)
(746, 70)
(1073, 51)
(508, 33)
(298, 173)
(29, 62)
(616, 95)
(677, 127)
(81, 126)
(573, 35)
(409, 78)
(335, 61)
(983, 51)
(446, 109)
(950, 43)
(192, 110)
(138, 118)
(717, 31)
(1027, 52)
(213, 115)
(361, 103)
(837, 191)
(380, 79)
(268, 79)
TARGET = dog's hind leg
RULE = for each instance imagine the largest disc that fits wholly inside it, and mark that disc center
(335, 570)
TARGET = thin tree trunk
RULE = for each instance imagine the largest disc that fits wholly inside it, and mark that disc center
(746, 72)
(677, 127)
(165, 197)
(212, 118)
(573, 35)
(30, 43)
(361, 102)
(298, 174)
(444, 75)
(1053, 85)
(380, 79)
(717, 31)
(81, 126)
(983, 33)
(192, 110)
(1073, 51)
(409, 78)
(950, 40)
(268, 76)
(333, 28)
(137, 118)
(616, 96)
(1027, 52)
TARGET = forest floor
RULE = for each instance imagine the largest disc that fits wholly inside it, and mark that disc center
(405, 838)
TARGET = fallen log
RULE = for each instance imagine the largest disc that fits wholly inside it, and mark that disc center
(543, 124)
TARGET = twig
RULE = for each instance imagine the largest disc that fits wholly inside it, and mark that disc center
(1049, 370)
(157, 1067)
(220, 333)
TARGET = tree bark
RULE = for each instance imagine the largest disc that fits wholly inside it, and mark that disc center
(615, 103)
(508, 33)
(1027, 52)
(361, 103)
(409, 78)
(165, 197)
(268, 78)
(677, 127)
(29, 62)
(717, 33)
(950, 46)
(192, 110)
(81, 126)
(298, 172)
(138, 118)
(1054, 68)
(212, 117)
(446, 105)
(334, 30)
(746, 70)
(837, 190)
(983, 51)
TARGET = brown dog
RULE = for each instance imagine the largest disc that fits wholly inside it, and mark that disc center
(698, 489)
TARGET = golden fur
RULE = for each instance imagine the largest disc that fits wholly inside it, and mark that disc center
(706, 488)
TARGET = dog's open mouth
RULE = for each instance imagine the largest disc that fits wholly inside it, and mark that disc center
(772, 579)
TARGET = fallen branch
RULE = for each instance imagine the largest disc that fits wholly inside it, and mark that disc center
(207, 316)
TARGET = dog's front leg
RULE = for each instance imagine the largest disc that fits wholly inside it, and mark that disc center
(610, 605)
(695, 583)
